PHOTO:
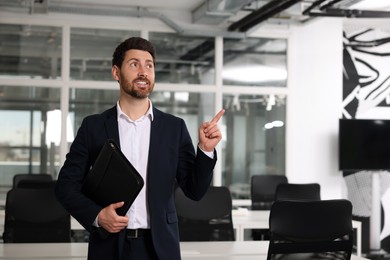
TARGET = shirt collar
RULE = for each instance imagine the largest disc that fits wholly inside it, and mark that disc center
(148, 113)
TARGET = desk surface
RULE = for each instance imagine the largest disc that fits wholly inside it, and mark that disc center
(251, 219)
(248, 250)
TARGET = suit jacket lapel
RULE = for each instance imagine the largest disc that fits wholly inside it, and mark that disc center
(111, 125)
(155, 138)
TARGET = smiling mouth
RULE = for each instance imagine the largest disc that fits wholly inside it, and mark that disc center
(141, 83)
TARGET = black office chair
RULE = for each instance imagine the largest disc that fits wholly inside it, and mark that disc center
(319, 229)
(209, 219)
(298, 191)
(35, 216)
(26, 180)
(263, 188)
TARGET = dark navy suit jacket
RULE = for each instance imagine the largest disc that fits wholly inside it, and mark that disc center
(171, 158)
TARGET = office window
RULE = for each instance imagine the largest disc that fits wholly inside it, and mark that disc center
(29, 51)
(84, 102)
(186, 64)
(255, 62)
(254, 139)
(194, 108)
(91, 52)
(30, 131)
(184, 59)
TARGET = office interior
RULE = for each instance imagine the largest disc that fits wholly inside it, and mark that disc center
(279, 78)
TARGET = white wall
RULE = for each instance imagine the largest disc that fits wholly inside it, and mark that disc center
(314, 105)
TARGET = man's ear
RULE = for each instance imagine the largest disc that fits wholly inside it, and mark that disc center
(115, 73)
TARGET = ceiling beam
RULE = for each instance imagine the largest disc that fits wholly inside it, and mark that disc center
(262, 14)
(350, 13)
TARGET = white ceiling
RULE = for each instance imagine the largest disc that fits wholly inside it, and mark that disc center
(221, 14)
(373, 5)
(183, 5)
(190, 5)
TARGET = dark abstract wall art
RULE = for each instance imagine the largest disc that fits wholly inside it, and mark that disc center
(366, 75)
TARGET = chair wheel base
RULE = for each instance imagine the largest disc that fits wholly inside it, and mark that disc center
(377, 254)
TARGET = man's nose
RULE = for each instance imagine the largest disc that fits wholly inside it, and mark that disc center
(142, 72)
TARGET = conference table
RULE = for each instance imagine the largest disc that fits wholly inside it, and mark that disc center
(234, 250)
(259, 219)
(243, 219)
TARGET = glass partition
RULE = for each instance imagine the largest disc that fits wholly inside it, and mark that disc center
(84, 102)
(30, 132)
(184, 59)
(254, 139)
(194, 108)
(253, 125)
(255, 62)
(91, 52)
(29, 51)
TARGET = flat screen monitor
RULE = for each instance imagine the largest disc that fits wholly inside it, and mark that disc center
(364, 144)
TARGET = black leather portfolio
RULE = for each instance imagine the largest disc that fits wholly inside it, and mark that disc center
(112, 179)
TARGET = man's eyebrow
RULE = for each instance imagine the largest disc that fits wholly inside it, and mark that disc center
(138, 60)
(132, 59)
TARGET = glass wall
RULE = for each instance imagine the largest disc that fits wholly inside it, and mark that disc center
(183, 59)
(194, 108)
(254, 141)
(254, 76)
(255, 62)
(84, 102)
(91, 52)
(29, 51)
(30, 131)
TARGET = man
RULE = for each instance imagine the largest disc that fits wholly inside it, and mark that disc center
(159, 147)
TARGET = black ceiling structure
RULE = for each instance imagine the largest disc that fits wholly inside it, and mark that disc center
(319, 8)
(349, 13)
(262, 14)
(326, 9)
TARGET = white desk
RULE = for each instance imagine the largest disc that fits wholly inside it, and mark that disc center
(251, 219)
(259, 219)
(249, 250)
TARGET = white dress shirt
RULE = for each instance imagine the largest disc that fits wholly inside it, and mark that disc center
(134, 137)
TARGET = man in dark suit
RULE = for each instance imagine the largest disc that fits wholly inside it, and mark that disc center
(159, 147)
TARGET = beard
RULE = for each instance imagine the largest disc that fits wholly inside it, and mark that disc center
(138, 93)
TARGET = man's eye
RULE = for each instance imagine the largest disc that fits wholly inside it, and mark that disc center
(133, 65)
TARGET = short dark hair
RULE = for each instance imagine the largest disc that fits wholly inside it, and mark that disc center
(136, 43)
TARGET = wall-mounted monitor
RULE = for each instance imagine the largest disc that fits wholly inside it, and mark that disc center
(364, 144)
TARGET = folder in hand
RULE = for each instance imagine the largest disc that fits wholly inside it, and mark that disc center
(112, 179)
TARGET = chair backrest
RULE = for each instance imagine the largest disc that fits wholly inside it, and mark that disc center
(298, 191)
(311, 226)
(35, 216)
(26, 180)
(263, 188)
(209, 219)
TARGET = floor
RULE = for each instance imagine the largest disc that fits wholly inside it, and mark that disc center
(382, 255)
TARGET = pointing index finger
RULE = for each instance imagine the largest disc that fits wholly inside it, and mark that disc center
(218, 116)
